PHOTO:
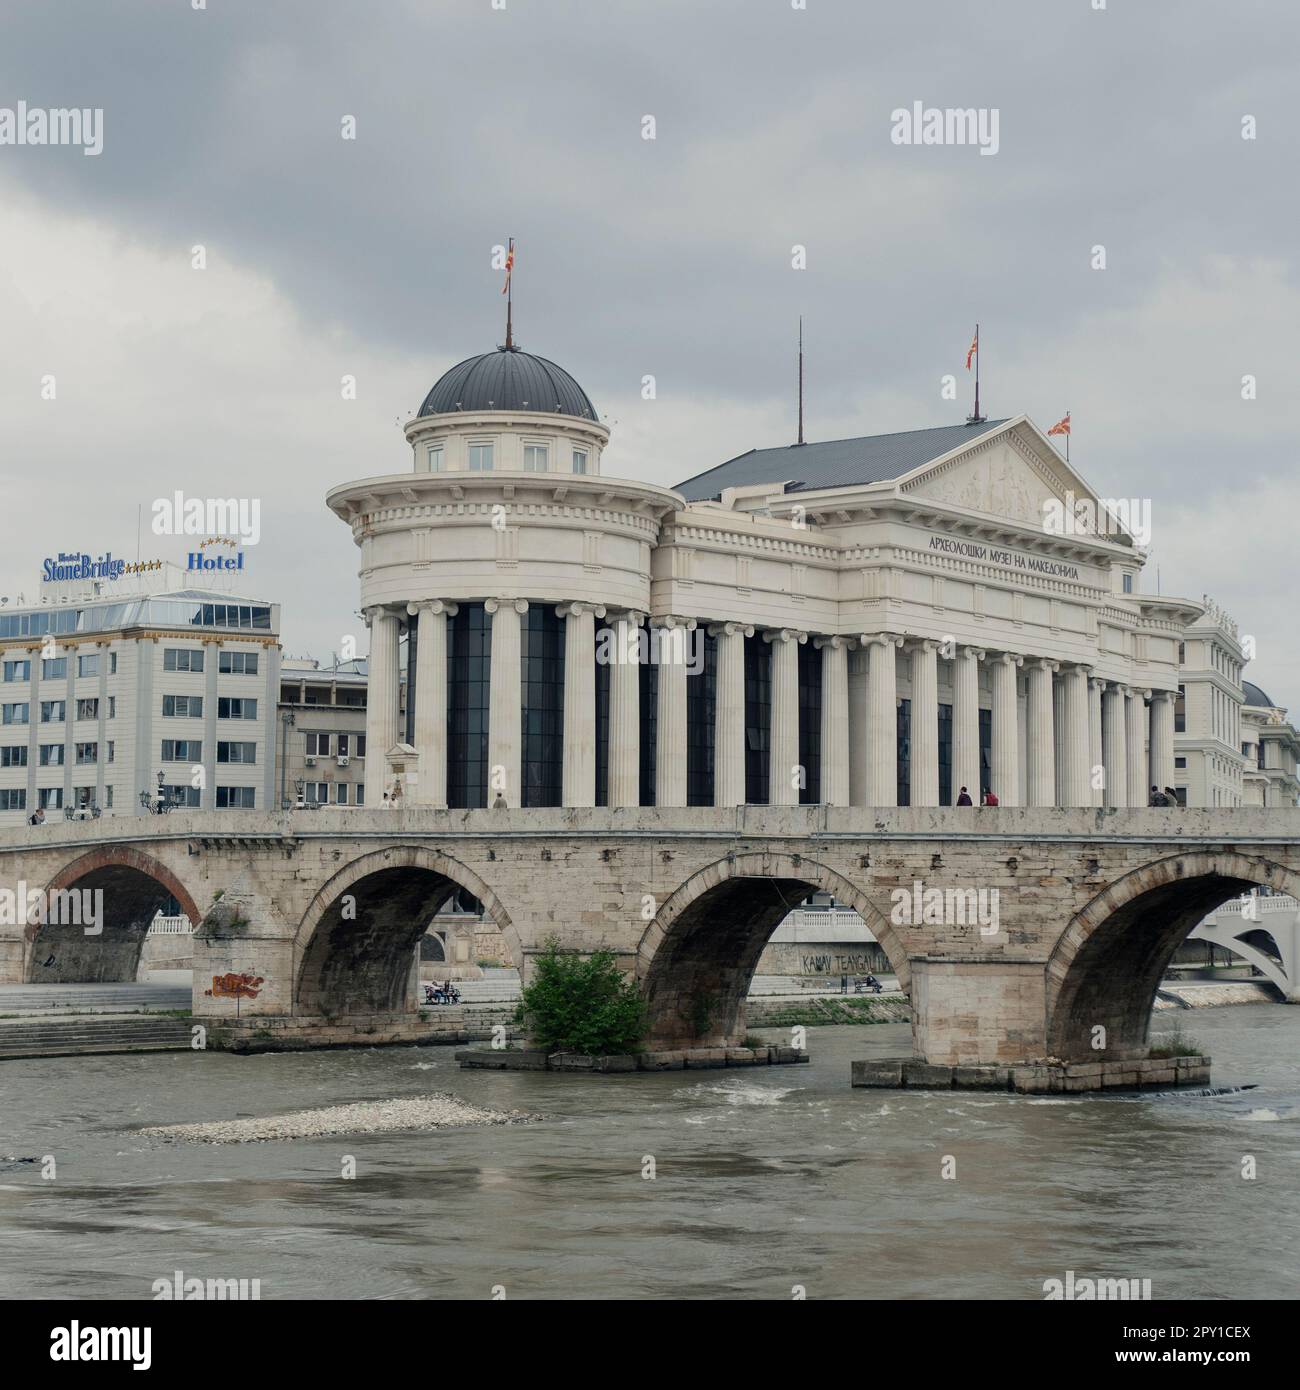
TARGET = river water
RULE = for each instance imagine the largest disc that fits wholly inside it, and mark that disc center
(765, 1179)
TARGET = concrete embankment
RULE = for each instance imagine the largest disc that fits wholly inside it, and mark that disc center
(92, 1036)
(1210, 996)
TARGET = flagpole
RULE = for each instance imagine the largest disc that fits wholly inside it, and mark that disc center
(1067, 441)
(800, 378)
(510, 299)
(976, 416)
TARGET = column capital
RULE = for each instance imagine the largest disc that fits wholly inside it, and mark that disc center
(1008, 659)
(629, 615)
(1162, 695)
(785, 634)
(1098, 683)
(978, 653)
(922, 644)
(493, 605)
(432, 605)
(579, 609)
(672, 620)
(835, 643)
(883, 639)
(376, 610)
(1043, 663)
(1083, 668)
(730, 629)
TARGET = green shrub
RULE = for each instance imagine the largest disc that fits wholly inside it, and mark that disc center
(579, 1003)
(1175, 1044)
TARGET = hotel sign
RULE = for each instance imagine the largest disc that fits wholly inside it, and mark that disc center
(74, 565)
(1009, 559)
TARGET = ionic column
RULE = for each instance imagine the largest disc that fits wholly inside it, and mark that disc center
(624, 753)
(1058, 730)
(1041, 759)
(670, 651)
(783, 741)
(966, 723)
(882, 719)
(923, 773)
(1005, 773)
(835, 721)
(1096, 690)
(729, 715)
(1076, 786)
(431, 700)
(382, 689)
(505, 702)
(579, 784)
(1162, 738)
(1135, 735)
(1114, 746)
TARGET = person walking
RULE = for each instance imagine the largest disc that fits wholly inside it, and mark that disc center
(963, 798)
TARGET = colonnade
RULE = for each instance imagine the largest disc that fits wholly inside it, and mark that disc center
(1087, 740)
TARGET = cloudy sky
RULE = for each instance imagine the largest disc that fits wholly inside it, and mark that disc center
(1118, 127)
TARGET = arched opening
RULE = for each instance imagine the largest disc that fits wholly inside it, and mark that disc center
(1110, 961)
(359, 942)
(698, 956)
(97, 912)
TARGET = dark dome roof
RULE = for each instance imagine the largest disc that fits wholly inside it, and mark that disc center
(1255, 696)
(508, 379)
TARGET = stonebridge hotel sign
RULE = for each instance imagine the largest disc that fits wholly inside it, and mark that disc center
(862, 622)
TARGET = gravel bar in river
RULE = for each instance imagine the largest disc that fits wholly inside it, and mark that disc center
(438, 1111)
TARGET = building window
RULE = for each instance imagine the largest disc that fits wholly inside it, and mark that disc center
(228, 708)
(13, 798)
(241, 798)
(904, 789)
(1128, 583)
(50, 798)
(87, 709)
(183, 706)
(237, 663)
(649, 712)
(51, 754)
(18, 670)
(469, 656)
(810, 722)
(1180, 763)
(110, 755)
(182, 750)
(701, 688)
(183, 659)
(54, 668)
(181, 795)
(602, 719)
(758, 720)
(986, 755)
(542, 639)
(316, 793)
(54, 711)
(536, 458)
(318, 745)
(946, 797)
(580, 460)
(480, 458)
(87, 753)
(13, 755)
(14, 714)
(343, 745)
(434, 456)
(112, 671)
(341, 793)
(1180, 711)
(112, 706)
(236, 752)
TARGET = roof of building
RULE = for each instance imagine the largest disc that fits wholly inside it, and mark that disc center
(1255, 696)
(508, 379)
(873, 458)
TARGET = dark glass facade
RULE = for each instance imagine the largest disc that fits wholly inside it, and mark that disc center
(986, 754)
(945, 755)
(649, 676)
(602, 717)
(542, 641)
(469, 657)
(810, 721)
(700, 698)
(758, 718)
(904, 753)
(412, 643)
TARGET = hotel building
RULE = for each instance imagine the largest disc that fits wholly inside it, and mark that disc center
(867, 622)
(100, 696)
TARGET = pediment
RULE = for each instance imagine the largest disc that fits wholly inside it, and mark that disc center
(1008, 475)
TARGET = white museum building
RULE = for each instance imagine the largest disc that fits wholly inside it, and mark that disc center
(869, 622)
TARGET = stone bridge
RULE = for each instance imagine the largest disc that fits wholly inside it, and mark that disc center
(1048, 924)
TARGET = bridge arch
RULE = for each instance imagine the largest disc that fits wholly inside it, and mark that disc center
(134, 885)
(355, 946)
(1108, 963)
(697, 957)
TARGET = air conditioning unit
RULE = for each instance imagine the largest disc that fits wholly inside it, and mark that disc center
(342, 760)
(311, 762)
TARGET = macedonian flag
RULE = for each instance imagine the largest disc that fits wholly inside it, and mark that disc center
(974, 348)
(1062, 426)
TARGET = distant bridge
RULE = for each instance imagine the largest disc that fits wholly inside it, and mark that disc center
(323, 910)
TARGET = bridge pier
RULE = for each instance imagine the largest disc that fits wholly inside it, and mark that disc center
(977, 1012)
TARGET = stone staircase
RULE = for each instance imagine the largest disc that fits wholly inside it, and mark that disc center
(79, 998)
(91, 1036)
